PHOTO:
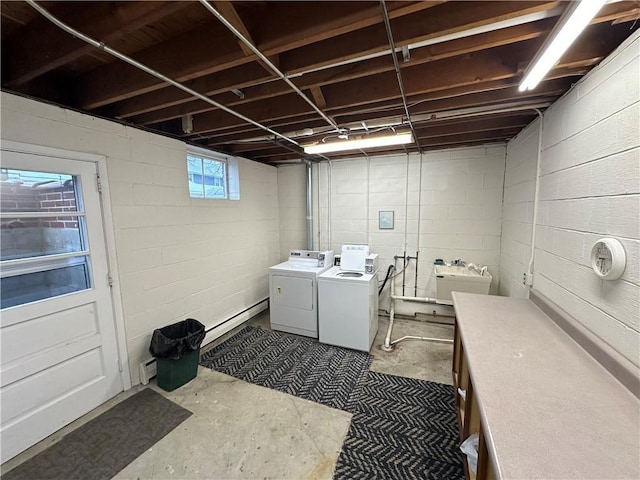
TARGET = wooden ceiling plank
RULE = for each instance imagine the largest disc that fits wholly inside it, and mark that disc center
(239, 77)
(318, 28)
(202, 66)
(169, 96)
(407, 30)
(439, 101)
(229, 12)
(336, 75)
(459, 140)
(182, 58)
(477, 124)
(477, 68)
(421, 78)
(318, 97)
(50, 47)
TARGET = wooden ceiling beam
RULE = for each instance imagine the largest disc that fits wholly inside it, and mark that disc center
(184, 58)
(229, 12)
(225, 81)
(445, 19)
(47, 47)
(318, 97)
(590, 51)
(464, 138)
(240, 77)
(437, 130)
(172, 97)
(474, 125)
(260, 149)
(479, 68)
(483, 66)
(189, 56)
(437, 102)
(311, 23)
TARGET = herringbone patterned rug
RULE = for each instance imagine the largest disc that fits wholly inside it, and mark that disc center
(291, 364)
(402, 428)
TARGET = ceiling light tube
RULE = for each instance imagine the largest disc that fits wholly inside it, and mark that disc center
(358, 144)
(568, 29)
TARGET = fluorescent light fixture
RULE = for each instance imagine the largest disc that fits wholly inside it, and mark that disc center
(569, 27)
(360, 143)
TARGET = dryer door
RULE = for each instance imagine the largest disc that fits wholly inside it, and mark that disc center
(292, 292)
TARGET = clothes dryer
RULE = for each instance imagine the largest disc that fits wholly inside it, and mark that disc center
(293, 291)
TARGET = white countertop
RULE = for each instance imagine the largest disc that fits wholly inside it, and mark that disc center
(550, 410)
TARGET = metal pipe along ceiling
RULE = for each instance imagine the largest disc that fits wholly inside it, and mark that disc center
(396, 65)
(262, 57)
(150, 71)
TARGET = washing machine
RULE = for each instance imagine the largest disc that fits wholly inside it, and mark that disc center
(293, 291)
(348, 301)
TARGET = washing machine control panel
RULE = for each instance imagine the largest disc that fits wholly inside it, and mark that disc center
(371, 263)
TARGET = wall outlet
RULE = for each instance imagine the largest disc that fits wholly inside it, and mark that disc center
(527, 279)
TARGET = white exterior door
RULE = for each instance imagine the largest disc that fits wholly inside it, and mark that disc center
(59, 352)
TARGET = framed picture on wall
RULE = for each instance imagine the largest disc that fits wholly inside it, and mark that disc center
(385, 220)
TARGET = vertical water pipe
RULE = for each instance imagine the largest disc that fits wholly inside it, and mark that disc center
(309, 206)
(419, 219)
(329, 205)
(535, 200)
(318, 209)
(368, 194)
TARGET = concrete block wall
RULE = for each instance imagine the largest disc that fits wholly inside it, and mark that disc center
(589, 188)
(177, 257)
(517, 214)
(447, 204)
(292, 198)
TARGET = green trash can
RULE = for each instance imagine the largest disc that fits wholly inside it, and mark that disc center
(177, 351)
(175, 373)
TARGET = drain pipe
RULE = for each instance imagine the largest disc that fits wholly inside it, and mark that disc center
(309, 206)
(388, 344)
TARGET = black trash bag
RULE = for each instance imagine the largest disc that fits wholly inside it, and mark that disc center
(175, 341)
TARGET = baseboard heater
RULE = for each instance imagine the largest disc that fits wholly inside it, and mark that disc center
(148, 368)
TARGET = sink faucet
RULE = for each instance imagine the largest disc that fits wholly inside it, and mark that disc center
(477, 268)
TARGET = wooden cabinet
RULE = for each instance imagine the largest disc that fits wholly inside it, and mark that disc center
(536, 397)
(469, 418)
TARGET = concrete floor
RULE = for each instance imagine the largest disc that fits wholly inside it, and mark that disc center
(240, 430)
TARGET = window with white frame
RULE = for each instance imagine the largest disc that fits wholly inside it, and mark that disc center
(212, 175)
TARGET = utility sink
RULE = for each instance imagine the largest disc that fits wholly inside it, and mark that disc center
(454, 278)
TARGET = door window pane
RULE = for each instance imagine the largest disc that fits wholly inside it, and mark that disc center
(28, 191)
(41, 217)
(26, 237)
(31, 287)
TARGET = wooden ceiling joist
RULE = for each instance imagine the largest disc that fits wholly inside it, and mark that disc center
(464, 58)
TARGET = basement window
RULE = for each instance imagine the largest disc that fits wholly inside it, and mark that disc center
(212, 175)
